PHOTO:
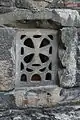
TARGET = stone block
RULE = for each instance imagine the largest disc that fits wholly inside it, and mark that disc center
(6, 3)
(37, 97)
(4, 10)
(39, 4)
(7, 101)
(71, 95)
(63, 17)
(55, 4)
(7, 59)
(67, 74)
(68, 17)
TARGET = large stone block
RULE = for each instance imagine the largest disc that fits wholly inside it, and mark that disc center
(64, 17)
(7, 59)
(68, 55)
(36, 97)
(39, 4)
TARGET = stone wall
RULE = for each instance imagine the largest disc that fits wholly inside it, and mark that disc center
(42, 102)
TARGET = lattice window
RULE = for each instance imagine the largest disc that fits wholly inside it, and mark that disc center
(36, 54)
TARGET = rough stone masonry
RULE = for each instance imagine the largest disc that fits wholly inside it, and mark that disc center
(39, 59)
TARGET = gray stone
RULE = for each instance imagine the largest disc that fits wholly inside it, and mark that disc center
(67, 74)
(32, 5)
(78, 59)
(56, 4)
(71, 95)
(66, 112)
(68, 17)
(6, 3)
(39, 4)
(39, 96)
(7, 59)
(64, 17)
(16, 15)
(7, 101)
(6, 10)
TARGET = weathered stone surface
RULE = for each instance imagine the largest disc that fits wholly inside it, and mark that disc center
(71, 95)
(41, 96)
(7, 59)
(6, 3)
(39, 4)
(64, 17)
(33, 5)
(7, 101)
(56, 4)
(56, 113)
(67, 74)
(68, 17)
(78, 59)
(17, 14)
(6, 10)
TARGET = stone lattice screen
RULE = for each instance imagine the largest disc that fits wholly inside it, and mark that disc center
(36, 57)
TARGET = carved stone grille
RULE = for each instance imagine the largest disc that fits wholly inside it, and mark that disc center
(36, 54)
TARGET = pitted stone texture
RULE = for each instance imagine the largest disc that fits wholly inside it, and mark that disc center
(47, 3)
(68, 56)
(64, 17)
(6, 9)
(7, 101)
(17, 14)
(71, 96)
(6, 3)
(68, 17)
(33, 5)
(36, 97)
(39, 4)
(7, 59)
(78, 59)
(56, 4)
(56, 113)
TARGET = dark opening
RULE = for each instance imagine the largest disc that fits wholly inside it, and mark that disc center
(22, 36)
(29, 43)
(29, 70)
(28, 58)
(50, 50)
(37, 36)
(23, 77)
(57, 80)
(48, 76)
(36, 65)
(42, 70)
(50, 36)
(60, 65)
(44, 42)
(36, 77)
(43, 58)
(50, 66)
(22, 50)
(22, 66)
